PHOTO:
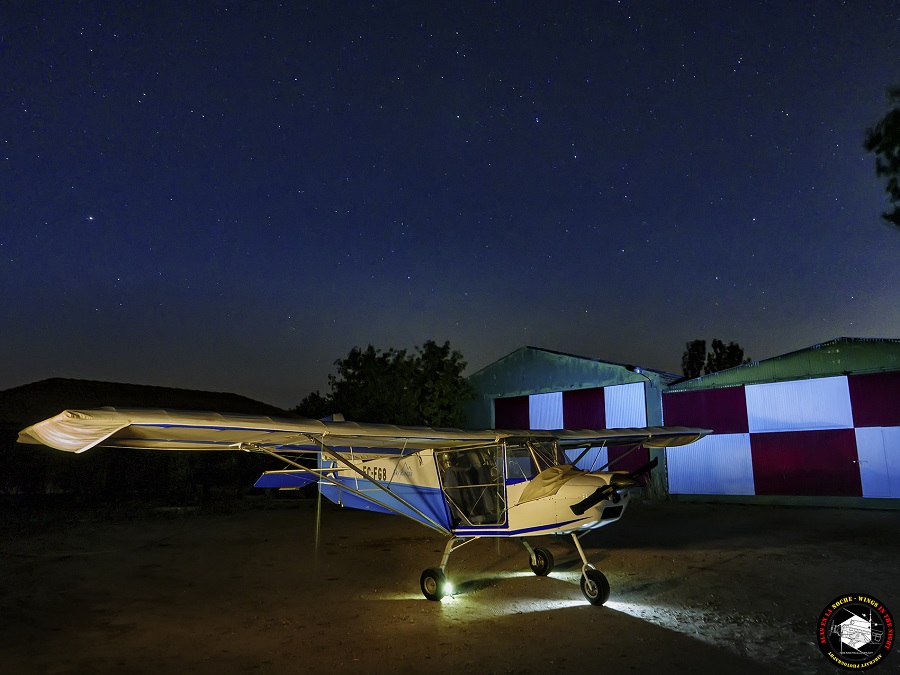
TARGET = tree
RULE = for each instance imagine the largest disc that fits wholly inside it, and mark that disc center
(315, 406)
(374, 386)
(440, 388)
(395, 387)
(884, 141)
(720, 357)
(724, 356)
(694, 358)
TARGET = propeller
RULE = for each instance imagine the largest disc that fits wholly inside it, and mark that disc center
(617, 481)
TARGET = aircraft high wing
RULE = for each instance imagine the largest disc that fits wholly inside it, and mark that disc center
(465, 484)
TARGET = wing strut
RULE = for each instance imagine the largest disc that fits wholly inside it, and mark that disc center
(622, 456)
(587, 449)
(430, 522)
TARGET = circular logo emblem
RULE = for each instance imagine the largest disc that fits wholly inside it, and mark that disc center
(856, 631)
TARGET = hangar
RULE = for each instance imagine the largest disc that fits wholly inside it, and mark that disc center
(817, 426)
(534, 388)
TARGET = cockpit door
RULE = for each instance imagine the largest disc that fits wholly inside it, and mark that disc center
(472, 482)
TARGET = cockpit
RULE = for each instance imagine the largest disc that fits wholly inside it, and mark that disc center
(474, 479)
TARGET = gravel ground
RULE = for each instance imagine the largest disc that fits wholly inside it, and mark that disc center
(695, 588)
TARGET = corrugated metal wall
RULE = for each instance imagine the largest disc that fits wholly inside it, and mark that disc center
(814, 463)
(618, 406)
(584, 409)
(823, 403)
(720, 464)
(833, 436)
(545, 411)
(625, 406)
(878, 449)
(511, 413)
(798, 424)
(876, 399)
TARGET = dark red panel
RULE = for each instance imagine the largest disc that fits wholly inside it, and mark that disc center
(629, 462)
(511, 413)
(821, 463)
(722, 410)
(875, 399)
(584, 409)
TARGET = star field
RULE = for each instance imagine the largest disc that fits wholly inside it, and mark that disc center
(230, 196)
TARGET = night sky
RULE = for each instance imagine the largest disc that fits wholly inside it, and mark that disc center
(229, 196)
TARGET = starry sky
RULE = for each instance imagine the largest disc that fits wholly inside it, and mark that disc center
(229, 196)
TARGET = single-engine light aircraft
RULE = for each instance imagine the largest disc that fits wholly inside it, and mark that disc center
(464, 484)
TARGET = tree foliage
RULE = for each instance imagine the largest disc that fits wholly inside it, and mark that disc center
(395, 386)
(315, 406)
(720, 357)
(884, 140)
(694, 358)
(723, 356)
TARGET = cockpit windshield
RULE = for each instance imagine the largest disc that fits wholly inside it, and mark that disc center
(527, 459)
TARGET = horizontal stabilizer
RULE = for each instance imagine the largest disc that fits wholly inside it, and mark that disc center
(286, 479)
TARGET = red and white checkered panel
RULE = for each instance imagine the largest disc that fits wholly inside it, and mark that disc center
(814, 463)
(511, 413)
(719, 464)
(822, 403)
(875, 399)
(878, 449)
(545, 411)
(615, 407)
(833, 436)
(722, 410)
(626, 406)
(584, 409)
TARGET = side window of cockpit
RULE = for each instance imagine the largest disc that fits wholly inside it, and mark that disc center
(519, 464)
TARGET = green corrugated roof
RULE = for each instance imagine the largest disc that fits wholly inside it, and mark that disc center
(841, 356)
(533, 370)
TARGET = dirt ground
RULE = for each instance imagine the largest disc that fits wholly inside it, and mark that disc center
(695, 588)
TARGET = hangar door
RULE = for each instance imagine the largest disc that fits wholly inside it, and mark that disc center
(879, 460)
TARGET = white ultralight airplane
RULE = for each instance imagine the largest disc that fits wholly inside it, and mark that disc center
(464, 484)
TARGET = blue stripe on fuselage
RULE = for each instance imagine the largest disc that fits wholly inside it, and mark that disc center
(429, 501)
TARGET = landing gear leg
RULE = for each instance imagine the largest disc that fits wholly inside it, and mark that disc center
(594, 585)
(433, 581)
(541, 560)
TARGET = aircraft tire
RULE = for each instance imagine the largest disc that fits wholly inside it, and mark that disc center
(543, 564)
(595, 587)
(432, 583)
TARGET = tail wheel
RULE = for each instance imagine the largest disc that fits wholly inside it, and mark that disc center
(542, 564)
(594, 586)
(433, 582)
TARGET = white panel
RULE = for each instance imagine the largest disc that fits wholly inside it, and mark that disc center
(892, 458)
(594, 460)
(822, 403)
(720, 464)
(545, 411)
(879, 460)
(625, 406)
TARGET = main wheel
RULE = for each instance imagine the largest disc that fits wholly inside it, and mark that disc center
(595, 587)
(433, 582)
(543, 562)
